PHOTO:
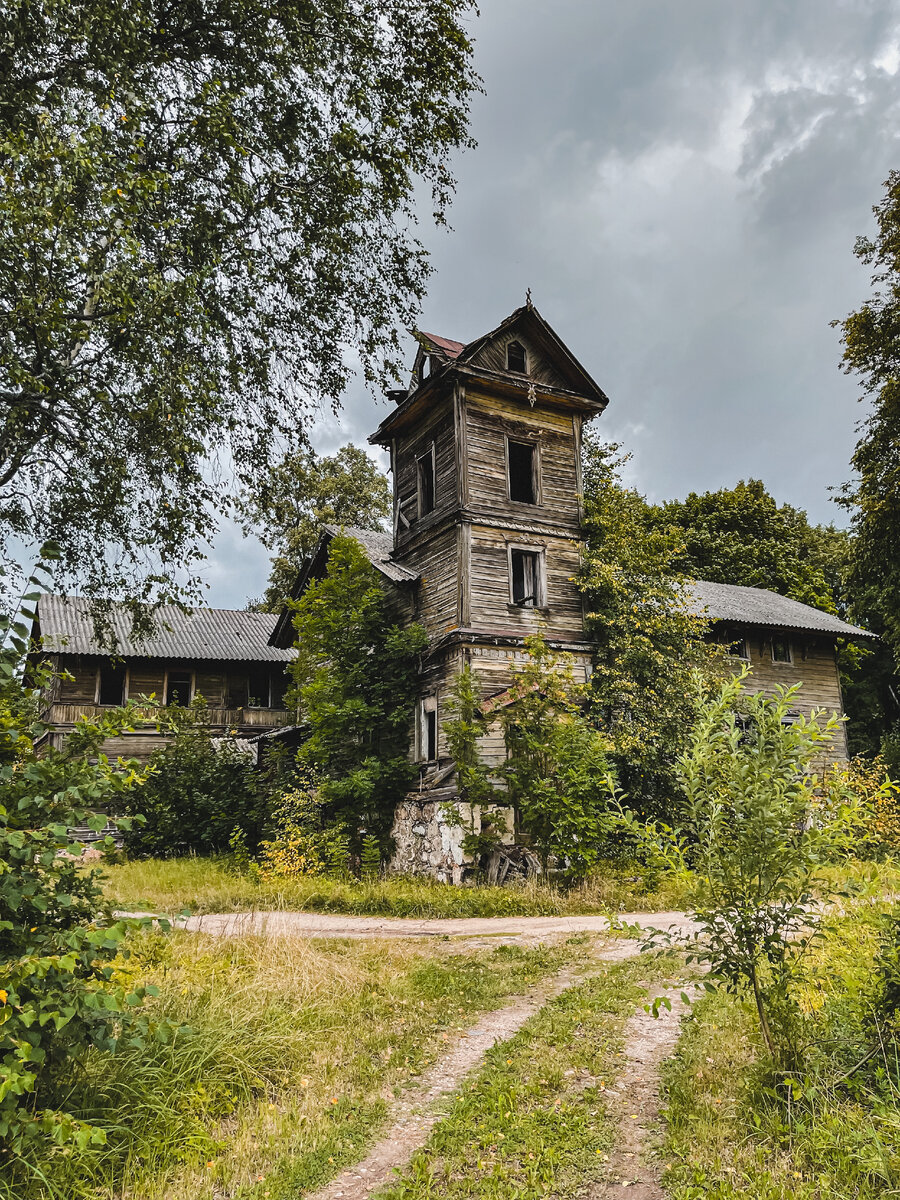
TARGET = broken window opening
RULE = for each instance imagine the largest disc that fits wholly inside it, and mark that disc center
(516, 359)
(258, 687)
(521, 471)
(425, 476)
(526, 578)
(430, 736)
(178, 688)
(111, 685)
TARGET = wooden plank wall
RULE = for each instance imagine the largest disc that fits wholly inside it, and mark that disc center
(488, 423)
(540, 368)
(437, 427)
(814, 668)
(438, 594)
(562, 617)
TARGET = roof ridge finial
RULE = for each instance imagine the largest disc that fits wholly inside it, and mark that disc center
(528, 303)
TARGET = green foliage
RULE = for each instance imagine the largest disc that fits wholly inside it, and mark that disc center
(202, 205)
(58, 939)
(759, 829)
(647, 642)
(468, 722)
(356, 685)
(559, 779)
(741, 535)
(197, 792)
(303, 841)
(305, 492)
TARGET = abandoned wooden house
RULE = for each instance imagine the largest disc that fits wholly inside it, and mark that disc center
(225, 657)
(485, 452)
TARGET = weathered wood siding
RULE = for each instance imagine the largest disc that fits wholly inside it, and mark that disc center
(488, 423)
(814, 667)
(561, 617)
(438, 592)
(437, 428)
(540, 368)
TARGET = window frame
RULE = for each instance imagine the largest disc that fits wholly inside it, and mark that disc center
(782, 662)
(420, 458)
(540, 554)
(268, 703)
(535, 445)
(428, 728)
(179, 671)
(744, 642)
(524, 349)
(125, 683)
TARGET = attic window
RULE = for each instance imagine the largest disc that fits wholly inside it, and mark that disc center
(522, 472)
(111, 684)
(425, 482)
(526, 583)
(515, 358)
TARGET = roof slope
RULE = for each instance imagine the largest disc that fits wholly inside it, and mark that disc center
(67, 627)
(377, 547)
(451, 348)
(757, 606)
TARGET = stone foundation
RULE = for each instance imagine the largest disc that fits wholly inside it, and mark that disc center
(426, 842)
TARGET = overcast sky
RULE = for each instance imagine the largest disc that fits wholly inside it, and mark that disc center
(680, 183)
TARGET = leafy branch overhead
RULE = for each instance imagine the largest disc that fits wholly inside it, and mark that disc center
(202, 206)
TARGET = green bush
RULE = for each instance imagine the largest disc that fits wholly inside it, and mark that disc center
(197, 793)
(58, 939)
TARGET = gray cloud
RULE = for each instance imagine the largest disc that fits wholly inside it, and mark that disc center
(680, 182)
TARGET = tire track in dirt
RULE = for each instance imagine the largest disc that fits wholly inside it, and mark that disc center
(416, 1112)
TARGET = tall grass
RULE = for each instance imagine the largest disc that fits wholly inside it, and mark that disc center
(208, 885)
(282, 1073)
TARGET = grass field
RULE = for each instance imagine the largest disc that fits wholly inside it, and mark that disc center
(209, 885)
(281, 1078)
(732, 1134)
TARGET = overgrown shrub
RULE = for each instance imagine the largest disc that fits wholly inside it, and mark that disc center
(304, 842)
(58, 938)
(197, 793)
(870, 780)
(758, 828)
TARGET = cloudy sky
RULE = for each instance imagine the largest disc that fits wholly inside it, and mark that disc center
(680, 183)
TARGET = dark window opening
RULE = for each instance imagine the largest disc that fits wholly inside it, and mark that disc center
(112, 684)
(738, 648)
(431, 736)
(425, 469)
(526, 577)
(515, 358)
(236, 694)
(258, 687)
(280, 684)
(178, 688)
(781, 650)
(521, 471)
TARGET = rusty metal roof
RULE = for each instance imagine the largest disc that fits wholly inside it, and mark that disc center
(67, 627)
(757, 606)
(451, 349)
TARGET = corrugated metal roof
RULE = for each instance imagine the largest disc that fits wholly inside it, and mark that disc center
(377, 547)
(201, 633)
(757, 606)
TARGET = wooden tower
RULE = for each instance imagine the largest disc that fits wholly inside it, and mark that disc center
(485, 453)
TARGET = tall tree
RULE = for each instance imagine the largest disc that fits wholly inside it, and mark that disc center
(742, 535)
(871, 340)
(648, 643)
(202, 205)
(305, 492)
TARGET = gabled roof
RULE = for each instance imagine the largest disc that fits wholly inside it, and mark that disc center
(757, 606)
(66, 626)
(377, 547)
(581, 389)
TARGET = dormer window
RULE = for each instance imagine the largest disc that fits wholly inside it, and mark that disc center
(516, 359)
